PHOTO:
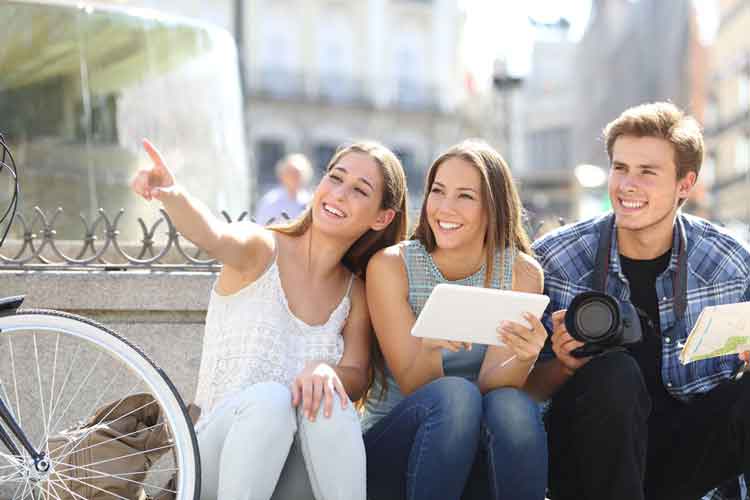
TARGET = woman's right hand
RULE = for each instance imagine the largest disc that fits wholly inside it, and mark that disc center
(155, 180)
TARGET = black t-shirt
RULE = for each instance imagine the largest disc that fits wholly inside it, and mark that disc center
(641, 275)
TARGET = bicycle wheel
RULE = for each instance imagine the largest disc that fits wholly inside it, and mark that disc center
(56, 371)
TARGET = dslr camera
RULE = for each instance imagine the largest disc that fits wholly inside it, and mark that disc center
(602, 323)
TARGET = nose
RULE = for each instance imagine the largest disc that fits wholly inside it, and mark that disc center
(340, 191)
(447, 204)
(628, 183)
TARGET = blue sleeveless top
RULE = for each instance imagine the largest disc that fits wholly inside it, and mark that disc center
(423, 275)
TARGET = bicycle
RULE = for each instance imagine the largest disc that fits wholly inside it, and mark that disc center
(49, 391)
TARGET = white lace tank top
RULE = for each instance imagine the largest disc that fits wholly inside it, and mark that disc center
(252, 336)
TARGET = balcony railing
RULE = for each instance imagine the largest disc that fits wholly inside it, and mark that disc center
(334, 88)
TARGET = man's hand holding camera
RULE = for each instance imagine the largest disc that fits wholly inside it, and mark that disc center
(563, 344)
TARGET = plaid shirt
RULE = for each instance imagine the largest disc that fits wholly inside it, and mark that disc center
(718, 273)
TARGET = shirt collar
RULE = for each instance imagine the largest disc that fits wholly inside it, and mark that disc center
(679, 242)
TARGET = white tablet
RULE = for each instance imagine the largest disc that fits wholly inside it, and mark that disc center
(472, 314)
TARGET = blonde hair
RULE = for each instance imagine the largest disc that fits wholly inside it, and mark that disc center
(504, 209)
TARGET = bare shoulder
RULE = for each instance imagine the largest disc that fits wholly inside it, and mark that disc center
(258, 246)
(386, 271)
(388, 260)
(528, 275)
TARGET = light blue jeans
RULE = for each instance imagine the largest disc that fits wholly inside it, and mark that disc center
(259, 447)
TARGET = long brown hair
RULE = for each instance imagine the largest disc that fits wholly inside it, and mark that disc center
(499, 195)
(359, 254)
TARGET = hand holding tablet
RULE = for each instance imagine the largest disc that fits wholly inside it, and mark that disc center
(472, 314)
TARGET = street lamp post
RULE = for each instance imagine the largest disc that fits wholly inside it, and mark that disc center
(505, 83)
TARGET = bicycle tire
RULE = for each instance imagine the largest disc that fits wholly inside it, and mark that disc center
(101, 340)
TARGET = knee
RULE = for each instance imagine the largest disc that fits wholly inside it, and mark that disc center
(511, 415)
(456, 401)
(340, 421)
(267, 403)
(455, 398)
(611, 384)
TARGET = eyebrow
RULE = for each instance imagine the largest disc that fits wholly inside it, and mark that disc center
(640, 165)
(438, 183)
(363, 179)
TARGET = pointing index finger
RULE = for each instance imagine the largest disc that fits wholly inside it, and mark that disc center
(153, 153)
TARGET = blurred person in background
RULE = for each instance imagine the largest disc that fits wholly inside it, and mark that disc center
(290, 196)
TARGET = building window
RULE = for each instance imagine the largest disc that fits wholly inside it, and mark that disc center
(743, 92)
(549, 149)
(742, 154)
(410, 70)
(414, 176)
(336, 58)
(708, 170)
(278, 56)
(322, 155)
(268, 153)
(712, 111)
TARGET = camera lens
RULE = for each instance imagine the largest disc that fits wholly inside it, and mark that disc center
(594, 319)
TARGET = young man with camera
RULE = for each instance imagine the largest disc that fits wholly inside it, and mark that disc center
(632, 422)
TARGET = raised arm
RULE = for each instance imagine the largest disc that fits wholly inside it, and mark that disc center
(509, 365)
(413, 361)
(238, 245)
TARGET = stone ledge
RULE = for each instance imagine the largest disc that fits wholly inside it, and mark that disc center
(132, 290)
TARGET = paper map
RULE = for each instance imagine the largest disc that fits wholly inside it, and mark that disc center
(719, 331)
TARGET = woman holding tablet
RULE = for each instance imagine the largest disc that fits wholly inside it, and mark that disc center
(451, 421)
(288, 335)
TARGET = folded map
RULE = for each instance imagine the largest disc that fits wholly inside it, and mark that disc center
(719, 331)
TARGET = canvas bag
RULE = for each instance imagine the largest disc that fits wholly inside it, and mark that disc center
(109, 443)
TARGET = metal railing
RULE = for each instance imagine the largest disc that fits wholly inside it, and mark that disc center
(37, 245)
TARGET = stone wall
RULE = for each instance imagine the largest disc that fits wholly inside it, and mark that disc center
(163, 312)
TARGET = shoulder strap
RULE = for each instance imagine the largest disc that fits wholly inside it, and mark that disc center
(349, 287)
(601, 264)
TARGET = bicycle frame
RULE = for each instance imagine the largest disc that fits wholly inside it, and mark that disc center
(5, 438)
(8, 305)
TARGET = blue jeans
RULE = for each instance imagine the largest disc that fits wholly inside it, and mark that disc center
(446, 433)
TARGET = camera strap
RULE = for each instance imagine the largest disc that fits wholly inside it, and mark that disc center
(679, 278)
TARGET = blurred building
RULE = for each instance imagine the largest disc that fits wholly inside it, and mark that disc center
(631, 53)
(547, 114)
(321, 73)
(728, 118)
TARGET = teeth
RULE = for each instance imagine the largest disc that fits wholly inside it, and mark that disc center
(632, 204)
(448, 225)
(331, 210)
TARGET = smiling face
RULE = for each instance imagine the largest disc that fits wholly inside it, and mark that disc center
(643, 184)
(455, 207)
(347, 202)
